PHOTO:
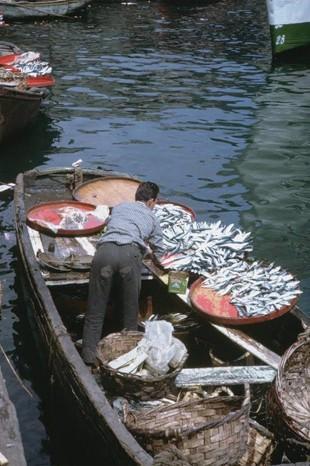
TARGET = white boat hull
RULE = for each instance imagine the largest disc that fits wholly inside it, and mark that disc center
(24, 9)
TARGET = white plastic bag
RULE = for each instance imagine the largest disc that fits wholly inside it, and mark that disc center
(162, 348)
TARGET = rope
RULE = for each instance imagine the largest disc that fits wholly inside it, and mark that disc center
(15, 373)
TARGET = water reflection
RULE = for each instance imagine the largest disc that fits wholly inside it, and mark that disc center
(30, 147)
(275, 170)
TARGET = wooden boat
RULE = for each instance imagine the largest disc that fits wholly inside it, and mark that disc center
(27, 9)
(18, 108)
(289, 22)
(56, 300)
(20, 96)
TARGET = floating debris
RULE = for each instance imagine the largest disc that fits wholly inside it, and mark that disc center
(255, 288)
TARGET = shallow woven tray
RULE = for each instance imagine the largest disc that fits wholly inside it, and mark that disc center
(131, 385)
(212, 431)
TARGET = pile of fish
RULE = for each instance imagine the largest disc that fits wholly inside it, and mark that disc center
(29, 63)
(176, 223)
(254, 288)
(220, 254)
(199, 246)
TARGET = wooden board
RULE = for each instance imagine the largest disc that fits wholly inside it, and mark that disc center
(110, 190)
(225, 376)
(63, 246)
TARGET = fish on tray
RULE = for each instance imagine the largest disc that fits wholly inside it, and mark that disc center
(199, 246)
(255, 288)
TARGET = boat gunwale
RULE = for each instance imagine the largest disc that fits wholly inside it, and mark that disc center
(45, 3)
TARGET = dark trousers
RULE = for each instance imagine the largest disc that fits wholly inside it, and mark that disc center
(111, 261)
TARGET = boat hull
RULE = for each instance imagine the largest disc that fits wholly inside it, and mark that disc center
(101, 435)
(289, 25)
(22, 9)
(17, 110)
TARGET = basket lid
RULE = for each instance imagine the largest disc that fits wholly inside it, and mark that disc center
(109, 190)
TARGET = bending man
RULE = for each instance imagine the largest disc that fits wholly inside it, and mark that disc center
(131, 227)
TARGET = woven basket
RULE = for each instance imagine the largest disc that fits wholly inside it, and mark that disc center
(260, 446)
(131, 385)
(289, 398)
(210, 431)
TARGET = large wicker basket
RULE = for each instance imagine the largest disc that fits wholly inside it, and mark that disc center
(131, 385)
(209, 431)
(289, 399)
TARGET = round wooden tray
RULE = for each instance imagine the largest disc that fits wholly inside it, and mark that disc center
(219, 309)
(109, 190)
(51, 212)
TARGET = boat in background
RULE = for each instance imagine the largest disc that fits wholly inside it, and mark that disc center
(18, 108)
(28, 9)
(289, 22)
(21, 91)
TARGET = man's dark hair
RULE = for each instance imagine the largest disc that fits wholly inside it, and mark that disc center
(146, 191)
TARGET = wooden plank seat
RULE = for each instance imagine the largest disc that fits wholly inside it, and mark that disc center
(62, 247)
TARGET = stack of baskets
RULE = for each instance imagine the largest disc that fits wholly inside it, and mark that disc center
(208, 431)
(289, 399)
(131, 385)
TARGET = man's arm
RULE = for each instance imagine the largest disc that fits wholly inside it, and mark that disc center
(155, 241)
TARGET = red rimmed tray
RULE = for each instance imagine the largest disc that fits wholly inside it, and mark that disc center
(50, 212)
(178, 204)
(109, 190)
(219, 309)
(46, 80)
(9, 59)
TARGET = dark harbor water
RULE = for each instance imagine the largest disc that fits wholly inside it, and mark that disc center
(184, 94)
